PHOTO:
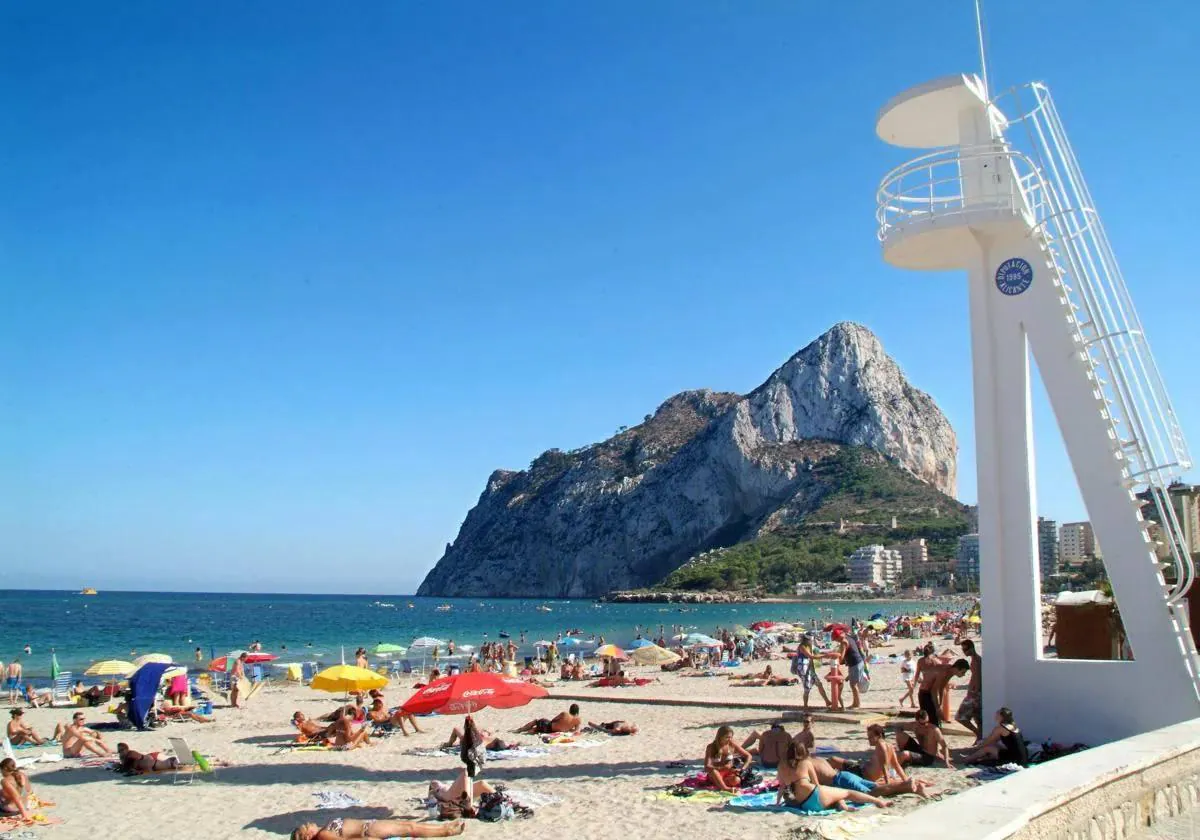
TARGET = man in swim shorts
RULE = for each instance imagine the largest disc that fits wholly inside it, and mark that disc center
(562, 723)
(924, 746)
(935, 681)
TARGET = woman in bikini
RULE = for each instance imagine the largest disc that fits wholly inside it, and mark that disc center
(348, 829)
(719, 760)
(800, 788)
(1005, 744)
(14, 790)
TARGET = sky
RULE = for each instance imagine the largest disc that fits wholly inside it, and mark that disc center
(282, 283)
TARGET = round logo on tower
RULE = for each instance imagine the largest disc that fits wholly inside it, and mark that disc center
(1014, 276)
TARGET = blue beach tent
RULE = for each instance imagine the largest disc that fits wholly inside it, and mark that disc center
(143, 688)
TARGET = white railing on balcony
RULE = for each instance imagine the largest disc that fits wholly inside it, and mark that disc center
(1047, 189)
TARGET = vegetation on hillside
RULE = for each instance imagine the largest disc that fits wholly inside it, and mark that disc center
(862, 492)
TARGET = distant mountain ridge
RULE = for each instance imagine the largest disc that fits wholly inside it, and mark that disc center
(706, 470)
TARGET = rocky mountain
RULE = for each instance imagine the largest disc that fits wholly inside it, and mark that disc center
(706, 470)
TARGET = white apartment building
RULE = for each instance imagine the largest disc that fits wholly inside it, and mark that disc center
(1077, 543)
(875, 565)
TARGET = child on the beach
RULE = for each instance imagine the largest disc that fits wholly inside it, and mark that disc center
(835, 680)
(908, 673)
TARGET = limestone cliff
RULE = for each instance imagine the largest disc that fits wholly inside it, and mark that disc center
(705, 470)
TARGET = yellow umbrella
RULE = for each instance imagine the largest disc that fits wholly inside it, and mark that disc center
(110, 668)
(346, 678)
(924, 619)
(611, 651)
(653, 655)
(974, 619)
(162, 658)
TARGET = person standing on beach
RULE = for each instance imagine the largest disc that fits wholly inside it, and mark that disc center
(805, 668)
(236, 677)
(13, 680)
(935, 683)
(199, 655)
(970, 711)
(851, 656)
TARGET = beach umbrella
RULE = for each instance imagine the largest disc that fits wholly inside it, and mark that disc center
(342, 679)
(877, 624)
(110, 668)
(174, 671)
(744, 633)
(830, 628)
(611, 652)
(54, 669)
(426, 642)
(975, 619)
(542, 643)
(762, 625)
(470, 692)
(653, 655)
(640, 643)
(783, 625)
(924, 619)
(384, 648)
(877, 616)
(153, 659)
(699, 639)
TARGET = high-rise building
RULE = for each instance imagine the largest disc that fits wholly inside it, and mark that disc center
(1047, 546)
(1077, 543)
(967, 569)
(1185, 499)
(876, 566)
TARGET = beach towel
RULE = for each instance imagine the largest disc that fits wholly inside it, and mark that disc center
(336, 799)
(766, 802)
(701, 797)
(571, 741)
(990, 774)
(493, 755)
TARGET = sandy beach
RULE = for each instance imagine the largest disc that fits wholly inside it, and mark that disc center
(613, 787)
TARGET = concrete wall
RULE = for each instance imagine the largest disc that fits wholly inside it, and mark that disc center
(1109, 792)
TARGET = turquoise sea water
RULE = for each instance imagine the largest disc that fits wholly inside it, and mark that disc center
(113, 625)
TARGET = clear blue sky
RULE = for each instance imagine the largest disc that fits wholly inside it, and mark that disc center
(283, 282)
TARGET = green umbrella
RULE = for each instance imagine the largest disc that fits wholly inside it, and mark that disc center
(386, 647)
(54, 669)
(742, 632)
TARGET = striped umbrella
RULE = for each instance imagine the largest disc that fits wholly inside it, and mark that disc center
(159, 658)
(110, 668)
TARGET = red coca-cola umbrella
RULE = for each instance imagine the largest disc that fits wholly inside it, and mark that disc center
(466, 693)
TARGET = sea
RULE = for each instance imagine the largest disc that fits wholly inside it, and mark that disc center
(82, 629)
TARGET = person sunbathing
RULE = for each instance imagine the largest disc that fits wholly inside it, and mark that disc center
(461, 792)
(310, 729)
(14, 791)
(180, 713)
(76, 738)
(924, 746)
(615, 727)
(135, 763)
(772, 744)
(567, 721)
(1004, 745)
(769, 681)
(20, 732)
(343, 733)
(800, 787)
(93, 696)
(35, 698)
(873, 776)
(490, 741)
(341, 828)
(721, 760)
(765, 674)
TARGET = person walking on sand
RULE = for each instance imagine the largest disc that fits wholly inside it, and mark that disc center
(805, 668)
(908, 673)
(851, 656)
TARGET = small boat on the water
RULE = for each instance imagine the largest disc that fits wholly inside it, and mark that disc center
(87, 590)
(504, 635)
(543, 608)
(444, 607)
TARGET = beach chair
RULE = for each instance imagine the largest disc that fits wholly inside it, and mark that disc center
(186, 764)
(406, 666)
(308, 670)
(62, 695)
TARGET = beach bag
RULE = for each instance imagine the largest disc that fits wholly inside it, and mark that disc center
(749, 777)
(455, 809)
(496, 807)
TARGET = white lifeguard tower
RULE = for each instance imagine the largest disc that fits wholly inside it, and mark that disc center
(1003, 197)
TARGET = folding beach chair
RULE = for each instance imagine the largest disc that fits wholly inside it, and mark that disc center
(62, 690)
(186, 764)
(308, 670)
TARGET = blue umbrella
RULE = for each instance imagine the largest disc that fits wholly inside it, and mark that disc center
(639, 643)
(143, 685)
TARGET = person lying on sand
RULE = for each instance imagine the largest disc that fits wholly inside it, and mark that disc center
(765, 674)
(76, 738)
(875, 774)
(341, 828)
(772, 744)
(310, 728)
(770, 682)
(615, 727)
(800, 786)
(567, 721)
(490, 741)
(135, 763)
(36, 698)
(20, 732)
(181, 713)
(14, 791)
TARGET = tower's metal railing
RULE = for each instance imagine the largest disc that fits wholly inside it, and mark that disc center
(1052, 196)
